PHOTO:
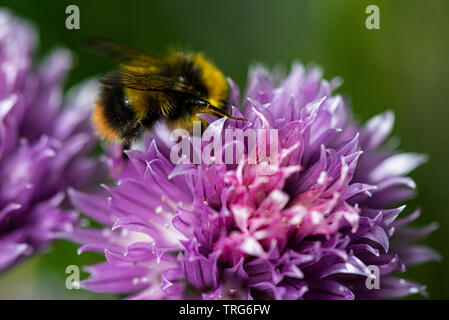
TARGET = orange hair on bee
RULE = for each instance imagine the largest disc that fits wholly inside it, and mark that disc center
(101, 124)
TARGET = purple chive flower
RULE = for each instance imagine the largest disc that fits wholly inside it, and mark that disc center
(330, 209)
(42, 143)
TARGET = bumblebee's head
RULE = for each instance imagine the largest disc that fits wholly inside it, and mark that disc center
(214, 81)
(202, 74)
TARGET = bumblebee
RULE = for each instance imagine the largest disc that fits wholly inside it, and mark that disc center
(146, 89)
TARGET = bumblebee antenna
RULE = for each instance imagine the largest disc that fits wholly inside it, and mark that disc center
(218, 111)
(223, 113)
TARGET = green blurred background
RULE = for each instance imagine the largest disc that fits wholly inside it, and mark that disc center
(403, 66)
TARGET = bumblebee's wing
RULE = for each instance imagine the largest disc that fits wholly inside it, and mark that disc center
(120, 53)
(145, 82)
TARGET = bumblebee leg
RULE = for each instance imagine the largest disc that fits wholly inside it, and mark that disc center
(125, 147)
(129, 135)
